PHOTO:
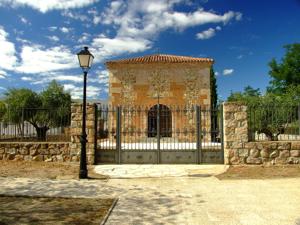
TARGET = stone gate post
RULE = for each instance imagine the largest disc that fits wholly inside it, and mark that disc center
(235, 129)
(76, 126)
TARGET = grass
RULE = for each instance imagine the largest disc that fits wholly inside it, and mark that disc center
(58, 211)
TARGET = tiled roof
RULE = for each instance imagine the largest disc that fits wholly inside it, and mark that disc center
(160, 58)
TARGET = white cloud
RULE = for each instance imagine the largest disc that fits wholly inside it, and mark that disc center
(3, 74)
(105, 47)
(27, 78)
(75, 16)
(76, 92)
(138, 23)
(8, 58)
(24, 20)
(206, 34)
(52, 28)
(240, 56)
(47, 5)
(85, 37)
(228, 71)
(53, 38)
(38, 59)
(217, 73)
(65, 29)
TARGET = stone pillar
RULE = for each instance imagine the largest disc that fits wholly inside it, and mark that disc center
(235, 131)
(76, 126)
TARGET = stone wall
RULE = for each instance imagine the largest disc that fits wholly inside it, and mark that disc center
(76, 126)
(56, 151)
(50, 151)
(237, 149)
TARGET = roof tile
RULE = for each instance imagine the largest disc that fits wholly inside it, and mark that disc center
(160, 58)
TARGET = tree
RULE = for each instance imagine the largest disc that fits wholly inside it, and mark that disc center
(45, 110)
(286, 72)
(2, 110)
(248, 96)
(213, 104)
(213, 89)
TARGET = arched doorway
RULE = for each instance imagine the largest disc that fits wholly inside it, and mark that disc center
(165, 118)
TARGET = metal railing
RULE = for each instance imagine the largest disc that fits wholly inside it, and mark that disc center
(35, 124)
(158, 127)
(274, 122)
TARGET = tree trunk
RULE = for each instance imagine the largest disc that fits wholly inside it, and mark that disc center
(41, 133)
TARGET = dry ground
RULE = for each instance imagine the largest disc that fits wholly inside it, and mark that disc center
(29, 210)
(50, 170)
(261, 172)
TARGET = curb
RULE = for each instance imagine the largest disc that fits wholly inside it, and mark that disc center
(109, 211)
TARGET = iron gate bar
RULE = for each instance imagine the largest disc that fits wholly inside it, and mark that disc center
(118, 133)
(199, 153)
(95, 126)
(222, 132)
(158, 133)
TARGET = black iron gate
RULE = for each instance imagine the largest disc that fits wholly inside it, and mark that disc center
(159, 134)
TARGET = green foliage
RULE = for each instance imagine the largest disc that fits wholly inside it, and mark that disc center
(286, 72)
(2, 109)
(271, 114)
(213, 87)
(248, 96)
(45, 110)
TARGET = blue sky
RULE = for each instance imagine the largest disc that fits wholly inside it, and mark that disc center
(39, 39)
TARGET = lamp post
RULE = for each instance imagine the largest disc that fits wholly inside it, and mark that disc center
(85, 61)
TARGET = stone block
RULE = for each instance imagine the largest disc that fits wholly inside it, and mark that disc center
(251, 160)
(9, 156)
(23, 151)
(284, 154)
(274, 154)
(250, 145)
(295, 153)
(243, 152)
(254, 153)
(264, 153)
(240, 116)
(2, 150)
(43, 151)
(295, 145)
(19, 158)
(284, 146)
(34, 152)
(38, 158)
(27, 157)
(293, 160)
(11, 151)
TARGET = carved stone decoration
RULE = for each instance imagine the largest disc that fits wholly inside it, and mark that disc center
(159, 84)
(128, 80)
(191, 94)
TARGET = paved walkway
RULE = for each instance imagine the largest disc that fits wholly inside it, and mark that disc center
(163, 170)
(179, 200)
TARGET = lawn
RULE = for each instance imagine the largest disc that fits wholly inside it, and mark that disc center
(58, 211)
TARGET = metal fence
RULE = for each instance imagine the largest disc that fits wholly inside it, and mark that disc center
(35, 124)
(274, 122)
(159, 128)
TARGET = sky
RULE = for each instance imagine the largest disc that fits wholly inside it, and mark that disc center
(39, 39)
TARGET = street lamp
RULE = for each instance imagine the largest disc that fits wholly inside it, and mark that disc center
(85, 61)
